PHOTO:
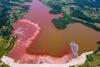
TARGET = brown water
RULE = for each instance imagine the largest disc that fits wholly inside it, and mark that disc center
(56, 42)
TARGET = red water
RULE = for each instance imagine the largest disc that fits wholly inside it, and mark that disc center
(55, 42)
(26, 31)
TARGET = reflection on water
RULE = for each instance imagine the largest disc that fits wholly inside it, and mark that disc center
(55, 42)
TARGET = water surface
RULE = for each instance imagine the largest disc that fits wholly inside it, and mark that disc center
(56, 42)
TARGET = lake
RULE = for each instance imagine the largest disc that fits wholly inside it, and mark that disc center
(54, 42)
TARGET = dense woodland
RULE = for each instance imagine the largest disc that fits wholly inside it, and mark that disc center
(72, 12)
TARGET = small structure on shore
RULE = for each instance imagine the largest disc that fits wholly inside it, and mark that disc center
(74, 48)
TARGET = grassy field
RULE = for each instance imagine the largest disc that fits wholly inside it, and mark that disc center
(93, 61)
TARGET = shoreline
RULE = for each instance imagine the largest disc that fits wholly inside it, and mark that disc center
(77, 61)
